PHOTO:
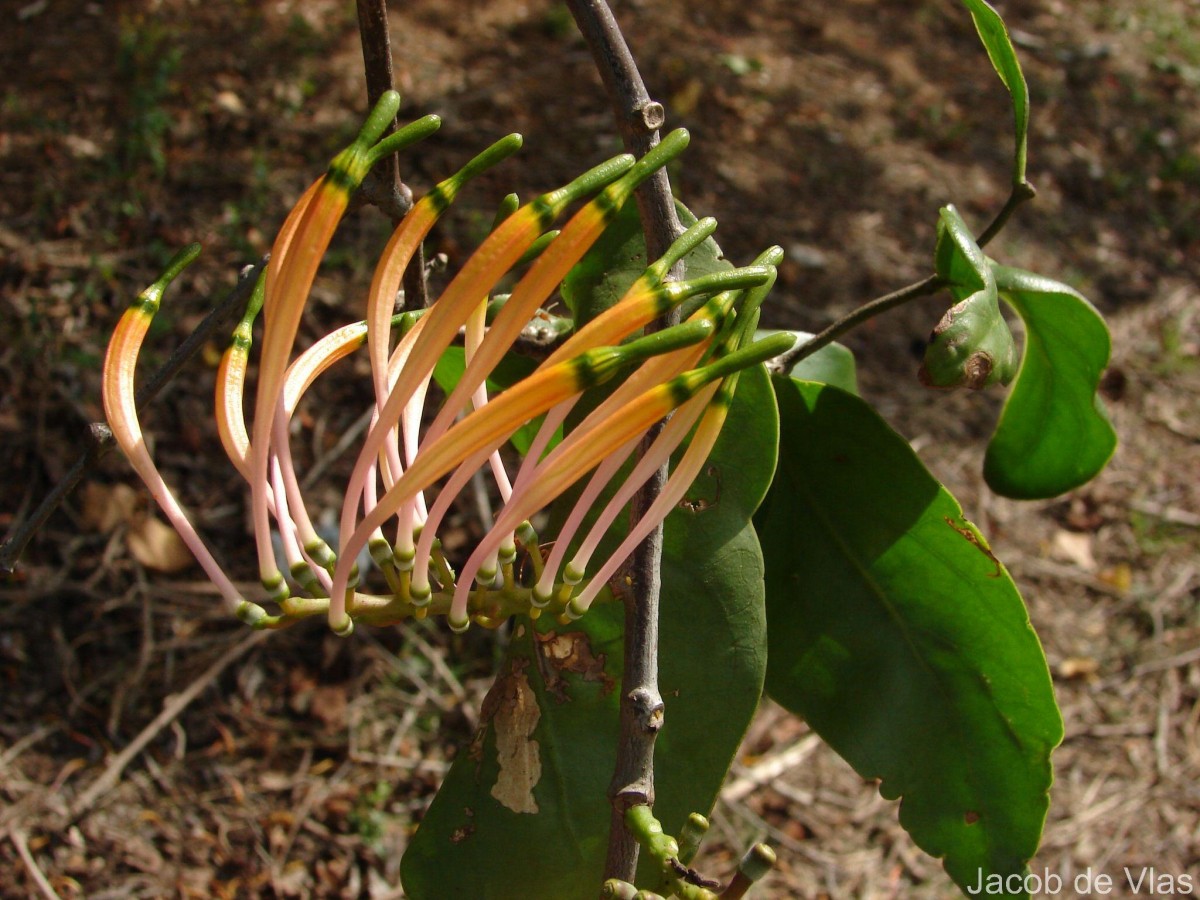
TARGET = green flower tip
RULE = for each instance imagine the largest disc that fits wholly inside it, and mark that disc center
(398, 140)
(344, 628)
(661, 154)
(178, 263)
(772, 256)
(380, 118)
(458, 626)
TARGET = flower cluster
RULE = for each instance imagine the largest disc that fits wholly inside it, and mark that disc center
(690, 370)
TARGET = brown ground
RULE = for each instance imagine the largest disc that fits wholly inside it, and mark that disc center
(835, 130)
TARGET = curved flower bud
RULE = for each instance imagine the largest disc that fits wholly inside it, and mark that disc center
(120, 408)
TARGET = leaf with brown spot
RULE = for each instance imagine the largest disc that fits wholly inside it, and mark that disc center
(713, 624)
(569, 652)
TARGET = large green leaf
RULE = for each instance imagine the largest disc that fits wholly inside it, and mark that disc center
(1053, 434)
(1000, 51)
(523, 812)
(971, 346)
(618, 259)
(901, 639)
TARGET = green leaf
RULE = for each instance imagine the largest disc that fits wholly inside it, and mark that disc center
(511, 369)
(901, 639)
(1053, 434)
(618, 259)
(548, 727)
(1000, 51)
(832, 364)
(971, 346)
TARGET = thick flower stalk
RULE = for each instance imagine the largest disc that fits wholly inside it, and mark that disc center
(410, 448)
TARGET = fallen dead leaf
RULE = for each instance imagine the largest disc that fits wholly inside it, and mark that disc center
(1075, 548)
(1078, 667)
(328, 706)
(1119, 576)
(105, 506)
(156, 545)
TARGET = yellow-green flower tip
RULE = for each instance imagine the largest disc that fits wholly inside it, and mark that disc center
(321, 553)
(344, 628)
(526, 534)
(251, 613)
(538, 600)
(615, 889)
(574, 611)
(458, 626)
(690, 837)
(276, 587)
(420, 597)
(758, 861)
(572, 574)
(403, 559)
(381, 551)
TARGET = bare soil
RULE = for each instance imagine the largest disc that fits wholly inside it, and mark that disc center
(835, 130)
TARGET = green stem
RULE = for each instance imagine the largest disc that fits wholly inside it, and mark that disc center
(922, 288)
(1020, 193)
(930, 285)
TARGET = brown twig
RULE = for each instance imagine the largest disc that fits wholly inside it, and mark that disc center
(98, 440)
(175, 705)
(383, 187)
(638, 119)
(18, 839)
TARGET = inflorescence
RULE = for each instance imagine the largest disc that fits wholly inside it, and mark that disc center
(688, 372)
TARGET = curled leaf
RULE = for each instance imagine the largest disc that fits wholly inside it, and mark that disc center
(971, 346)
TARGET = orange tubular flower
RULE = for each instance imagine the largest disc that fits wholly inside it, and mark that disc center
(691, 367)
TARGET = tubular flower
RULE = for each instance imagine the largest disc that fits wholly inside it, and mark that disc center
(408, 449)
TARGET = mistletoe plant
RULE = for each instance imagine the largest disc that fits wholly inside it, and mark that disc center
(807, 552)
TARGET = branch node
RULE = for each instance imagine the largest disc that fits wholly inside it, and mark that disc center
(652, 114)
(99, 435)
(648, 707)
